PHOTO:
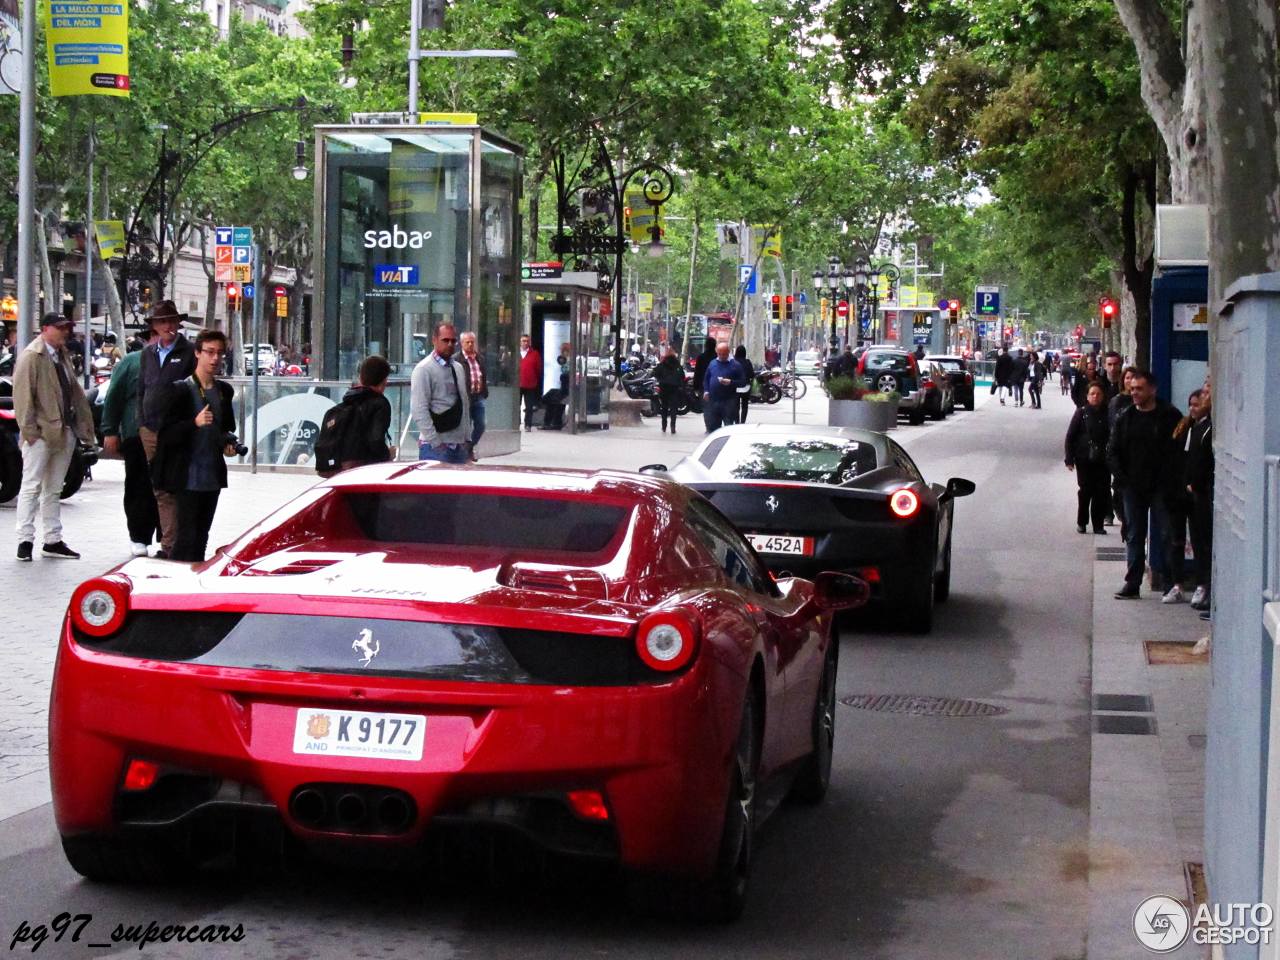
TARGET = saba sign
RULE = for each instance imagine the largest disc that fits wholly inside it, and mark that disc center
(396, 238)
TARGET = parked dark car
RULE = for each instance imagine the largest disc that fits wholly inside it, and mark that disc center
(939, 398)
(811, 499)
(961, 377)
(888, 369)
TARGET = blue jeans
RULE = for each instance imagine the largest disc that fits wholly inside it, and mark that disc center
(718, 413)
(1138, 508)
(477, 419)
(445, 452)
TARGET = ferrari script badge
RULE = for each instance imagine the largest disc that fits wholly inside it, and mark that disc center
(318, 726)
(366, 646)
(772, 503)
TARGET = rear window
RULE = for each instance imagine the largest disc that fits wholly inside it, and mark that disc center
(951, 366)
(888, 361)
(807, 355)
(802, 460)
(486, 520)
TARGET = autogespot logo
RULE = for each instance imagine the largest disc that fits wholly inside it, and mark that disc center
(1161, 924)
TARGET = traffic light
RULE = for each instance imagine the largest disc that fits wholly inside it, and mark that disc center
(1107, 308)
(953, 308)
(775, 307)
(789, 307)
(233, 296)
(1079, 331)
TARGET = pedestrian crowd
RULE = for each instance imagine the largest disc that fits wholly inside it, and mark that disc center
(1139, 460)
(1021, 375)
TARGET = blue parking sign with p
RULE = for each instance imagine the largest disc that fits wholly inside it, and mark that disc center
(986, 303)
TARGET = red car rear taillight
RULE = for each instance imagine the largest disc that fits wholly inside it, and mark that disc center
(667, 641)
(99, 606)
(904, 503)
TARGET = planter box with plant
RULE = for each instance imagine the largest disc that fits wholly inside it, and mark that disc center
(853, 403)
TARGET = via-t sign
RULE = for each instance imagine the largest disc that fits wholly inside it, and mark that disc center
(986, 301)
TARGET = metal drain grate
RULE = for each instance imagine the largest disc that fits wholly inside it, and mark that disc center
(1111, 553)
(922, 706)
(1122, 702)
(1132, 725)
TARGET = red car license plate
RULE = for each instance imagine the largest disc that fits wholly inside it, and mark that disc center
(776, 543)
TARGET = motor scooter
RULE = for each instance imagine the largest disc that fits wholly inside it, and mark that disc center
(83, 457)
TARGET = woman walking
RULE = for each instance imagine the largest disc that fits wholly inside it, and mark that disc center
(1035, 379)
(1086, 454)
(744, 393)
(670, 385)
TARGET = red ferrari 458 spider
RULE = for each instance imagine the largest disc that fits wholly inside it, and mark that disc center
(597, 661)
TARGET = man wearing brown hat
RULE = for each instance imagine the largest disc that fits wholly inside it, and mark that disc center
(52, 415)
(169, 358)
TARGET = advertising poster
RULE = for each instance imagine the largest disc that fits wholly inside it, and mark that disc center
(88, 47)
(110, 235)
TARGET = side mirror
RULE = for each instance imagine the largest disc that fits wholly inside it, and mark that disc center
(654, 468)
(960, 487)
(839, 591)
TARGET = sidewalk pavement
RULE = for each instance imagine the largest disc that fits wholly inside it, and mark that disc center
(1146, 789)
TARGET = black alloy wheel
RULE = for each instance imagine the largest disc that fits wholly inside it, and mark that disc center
(722, 897)
(942, 584)
(76, 471)
(815, 776)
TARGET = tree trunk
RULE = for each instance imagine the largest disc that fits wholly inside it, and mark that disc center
(1242, 94)
(49, 295)
(1138, 269)
(1173, 88)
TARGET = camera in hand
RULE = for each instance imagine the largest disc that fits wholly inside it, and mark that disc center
(231, 440)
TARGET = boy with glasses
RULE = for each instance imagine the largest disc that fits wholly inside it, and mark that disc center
(196, 417)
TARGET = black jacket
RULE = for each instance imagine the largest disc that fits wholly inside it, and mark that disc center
(1018, 370)
(1116, 406)
(700, 369)
(1141, 452)
(367, 441)
(1004, 367)
(1087, 437)
(466, 365)
(175, 407)
(1199, 463)
(669, 375)
(180, 364)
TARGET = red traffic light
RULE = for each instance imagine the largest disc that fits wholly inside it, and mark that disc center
(953, 305)
(790, 299)
(776, 299)
(233, 292)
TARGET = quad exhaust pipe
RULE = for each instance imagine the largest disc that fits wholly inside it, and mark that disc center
(352, 808)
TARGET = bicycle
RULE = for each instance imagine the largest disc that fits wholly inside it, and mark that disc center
(793, 387)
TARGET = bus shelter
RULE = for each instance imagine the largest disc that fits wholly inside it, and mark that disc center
(567, 323)
(418, 225)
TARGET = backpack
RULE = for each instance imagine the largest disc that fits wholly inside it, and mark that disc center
(338, 424)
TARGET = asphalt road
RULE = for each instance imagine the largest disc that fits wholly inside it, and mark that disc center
(941, 837)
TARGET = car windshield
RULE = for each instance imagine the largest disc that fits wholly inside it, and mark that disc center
(830, 460)
(486, 520)
(888, 361)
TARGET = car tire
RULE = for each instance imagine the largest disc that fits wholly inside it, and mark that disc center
(75, 475)
(942, 583)
(722, 897)
(920, 605)
(915, 417)
(10, 470)
(938, 414)
(886, 383)
(114, 860)
(811, 782)
(968, 404)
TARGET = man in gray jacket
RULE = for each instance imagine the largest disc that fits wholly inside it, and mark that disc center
(52, 415)
(439, 401)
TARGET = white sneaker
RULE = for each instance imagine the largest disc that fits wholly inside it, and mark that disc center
(138, 549)
(1199, 596)
(1174, 595)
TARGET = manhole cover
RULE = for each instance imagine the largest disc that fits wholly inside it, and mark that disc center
(922, 706)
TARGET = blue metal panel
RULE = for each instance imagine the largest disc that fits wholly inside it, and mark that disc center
(1182, 285)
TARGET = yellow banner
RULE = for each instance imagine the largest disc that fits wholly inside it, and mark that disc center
(771, 246)
(88, 47)
(110, 235)
(453, 119)
(640, 219)
(644, 302)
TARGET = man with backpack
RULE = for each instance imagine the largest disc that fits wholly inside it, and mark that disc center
(354, 432)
